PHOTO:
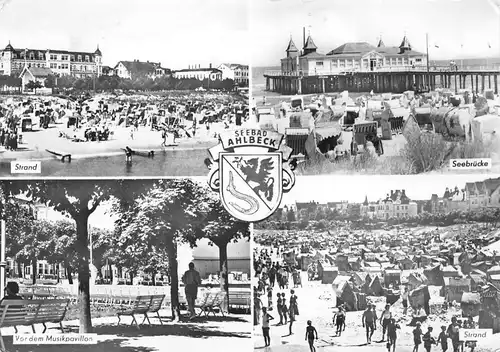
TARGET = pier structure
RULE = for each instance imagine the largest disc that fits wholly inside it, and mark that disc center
(475, 80)
(363, 67)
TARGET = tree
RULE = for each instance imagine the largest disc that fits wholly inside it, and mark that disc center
(63, 247)
(290, 216)
(161, 218)
(50, 81)
(78, 200)
(33, 85)
(221, 229)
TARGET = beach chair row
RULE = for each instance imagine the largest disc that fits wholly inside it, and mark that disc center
(16, 313)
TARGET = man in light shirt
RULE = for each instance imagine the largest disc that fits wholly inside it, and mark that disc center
(191, 280)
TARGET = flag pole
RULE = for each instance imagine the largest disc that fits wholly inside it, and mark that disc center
(428, 69)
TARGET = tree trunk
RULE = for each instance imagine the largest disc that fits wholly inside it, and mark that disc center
(34, 270)
(20, 272)
(110, 273)
(69, 274)
(174, 276)
(224, 272)
(83, 272)
(153, 278)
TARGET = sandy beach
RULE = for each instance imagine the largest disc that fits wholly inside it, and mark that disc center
(214, 333)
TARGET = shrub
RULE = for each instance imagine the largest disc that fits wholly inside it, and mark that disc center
(426, 152)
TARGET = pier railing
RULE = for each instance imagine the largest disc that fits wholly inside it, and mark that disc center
(419, 69)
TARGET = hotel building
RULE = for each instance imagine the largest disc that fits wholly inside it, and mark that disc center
(75, 63)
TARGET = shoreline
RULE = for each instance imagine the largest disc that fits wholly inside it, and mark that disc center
(112, 152)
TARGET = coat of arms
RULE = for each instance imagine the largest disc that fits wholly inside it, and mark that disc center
(251, 176)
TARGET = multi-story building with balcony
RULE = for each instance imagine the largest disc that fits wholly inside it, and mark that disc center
(395, 205)
(75, 63)
(238, 73)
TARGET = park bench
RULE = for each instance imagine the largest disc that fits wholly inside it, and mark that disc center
(156, 304)
(142, 305)
(215, 302)
(14, 313)
(240, 300)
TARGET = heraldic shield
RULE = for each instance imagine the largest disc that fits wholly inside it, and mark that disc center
(251, 184)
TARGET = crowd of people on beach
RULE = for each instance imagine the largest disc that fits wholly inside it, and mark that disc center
(271, 272)
(98, 118)
(273, 276)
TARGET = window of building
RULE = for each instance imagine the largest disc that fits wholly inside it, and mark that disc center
(64, 57)
(80, 58)
(52, 65)
(40, 56)
(319, 63)
(53, 57)
(87, 59)
(418, 60)
(72, 57)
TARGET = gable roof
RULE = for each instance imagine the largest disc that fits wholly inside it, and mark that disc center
(492, 185)
(362, 48)
(405, 43)
(39, 72)
(139, 67)
(291, 46)
(310, 44)
(352, 48)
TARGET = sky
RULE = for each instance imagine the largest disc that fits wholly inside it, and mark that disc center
(331, 23)
(100, 218)
(324, 189)
(176, 33)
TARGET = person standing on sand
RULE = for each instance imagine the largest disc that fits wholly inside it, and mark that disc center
(417, 337)
(404, 298)
(265, 326)
(369, 322)
(443, 339)
(311, 335)
(279, 306)
(428, 339)
(384, 320)
(392, 334)
(269, 298)
(284, 308)
(293, 310)
(339, 320)
(191, 280)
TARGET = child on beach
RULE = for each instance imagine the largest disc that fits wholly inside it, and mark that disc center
(270, 298)
(392, 335)
(428, 339)
(265, 326)
(417, 337)
(311, 334)
(443, 338)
